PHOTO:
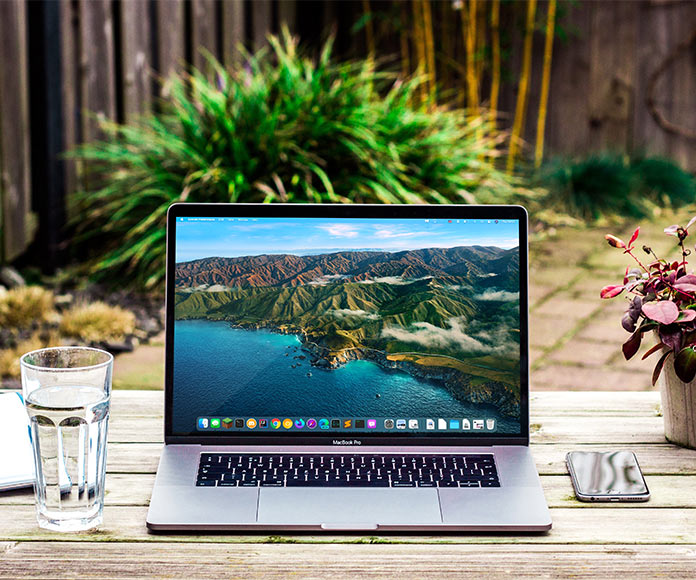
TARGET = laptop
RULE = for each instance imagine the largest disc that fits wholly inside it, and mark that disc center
(347, 368)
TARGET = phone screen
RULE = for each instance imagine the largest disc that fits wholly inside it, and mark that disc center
(611, 473)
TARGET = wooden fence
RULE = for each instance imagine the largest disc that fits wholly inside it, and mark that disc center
(91, 59)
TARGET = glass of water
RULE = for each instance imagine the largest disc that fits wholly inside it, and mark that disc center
(67, 391)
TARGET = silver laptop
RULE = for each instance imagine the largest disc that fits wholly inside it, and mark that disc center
(352, 368)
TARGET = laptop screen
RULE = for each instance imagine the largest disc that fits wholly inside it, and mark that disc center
(291, 326)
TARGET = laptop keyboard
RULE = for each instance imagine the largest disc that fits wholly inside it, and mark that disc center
(346, 470)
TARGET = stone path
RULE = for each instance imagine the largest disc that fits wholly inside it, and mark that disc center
(575, 337)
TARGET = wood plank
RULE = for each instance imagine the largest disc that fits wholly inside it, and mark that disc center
(655, 42)
(287, 14)
(203, 32)
(545, 430)
(661, 459)
(205, 561)
(544, 403)
(667, 491)
(654, 459)
(567, 126)
(136, 58)
(69, 28)
(232, 32)
(598, 525)
(261, 22)
(15, 162)
(683, 95)
(593, 403)
(170, 37)
(98, 81)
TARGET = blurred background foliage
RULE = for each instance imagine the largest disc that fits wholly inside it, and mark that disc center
(542, 103)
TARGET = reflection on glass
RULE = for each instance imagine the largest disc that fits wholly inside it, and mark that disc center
(607, 473)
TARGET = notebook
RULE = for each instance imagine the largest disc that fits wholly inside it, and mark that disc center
(16, 459)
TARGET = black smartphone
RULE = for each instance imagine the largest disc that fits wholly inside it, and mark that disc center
(606, 476)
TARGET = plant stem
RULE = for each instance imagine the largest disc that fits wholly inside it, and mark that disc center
(545, 80)
(523, 88)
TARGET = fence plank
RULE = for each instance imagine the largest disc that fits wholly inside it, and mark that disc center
(287, 14)
(170, 37)
(15, 193)
(567, 129)
(136, 58)
(261, 22)
(683, 94)
(203, 32)
(612, 70)
(98, 80)
(69, 27)
(232, 32)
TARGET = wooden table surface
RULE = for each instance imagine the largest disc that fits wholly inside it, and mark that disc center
(651, 539)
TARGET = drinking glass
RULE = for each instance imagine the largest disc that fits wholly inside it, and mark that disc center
(67, 392)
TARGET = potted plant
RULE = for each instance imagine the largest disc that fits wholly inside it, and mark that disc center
(662, 302)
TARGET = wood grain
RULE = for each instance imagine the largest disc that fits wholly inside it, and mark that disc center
(205, 561)
(15, 192)
(136, 61)
(599, 525)
(203, 32)
(170, 37)
(232, 32)
(98, 80)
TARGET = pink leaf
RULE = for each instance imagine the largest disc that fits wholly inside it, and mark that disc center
(672, 230)
(614, 241)
(688, 279)
(634, 237)
(692, 221)
(687, 316)
(611, 291)
(685, 287)
(664, 311)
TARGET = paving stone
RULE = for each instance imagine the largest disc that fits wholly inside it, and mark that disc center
(562, 305)
(537, 293)
(604, 329)
(582, 352)
(544, 332)
(575, 377)
(535, 355)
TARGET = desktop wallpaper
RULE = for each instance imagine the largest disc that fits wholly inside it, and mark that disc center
(324, 320)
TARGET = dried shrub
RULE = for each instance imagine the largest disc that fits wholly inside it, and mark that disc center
(97, 322)
(23, 306)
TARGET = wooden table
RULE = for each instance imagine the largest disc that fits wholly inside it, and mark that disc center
(588, 540)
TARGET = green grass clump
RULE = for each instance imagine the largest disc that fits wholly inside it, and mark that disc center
(284, 128)
(609, 185)
(24, 306)
(97, 322)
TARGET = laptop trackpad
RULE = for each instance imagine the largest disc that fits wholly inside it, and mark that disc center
(311, 505)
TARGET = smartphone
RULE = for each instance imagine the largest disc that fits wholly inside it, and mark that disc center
(607, 476)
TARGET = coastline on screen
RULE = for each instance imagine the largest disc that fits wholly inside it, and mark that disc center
(366, 325)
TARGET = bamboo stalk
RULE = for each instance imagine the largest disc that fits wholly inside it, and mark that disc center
(446, 43)
(479, 54)
(403, 37)
(469, 30)
(369, 28)
(430, 48)
(545, 81)
(420, 45)
(495, 58)
(523, 88)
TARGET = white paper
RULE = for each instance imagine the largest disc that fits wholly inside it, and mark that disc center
(16, 456)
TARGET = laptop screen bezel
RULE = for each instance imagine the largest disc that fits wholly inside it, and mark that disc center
(348, 211)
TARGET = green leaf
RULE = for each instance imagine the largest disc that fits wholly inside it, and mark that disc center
(658, 367)
(685, 364)
(631, 346)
